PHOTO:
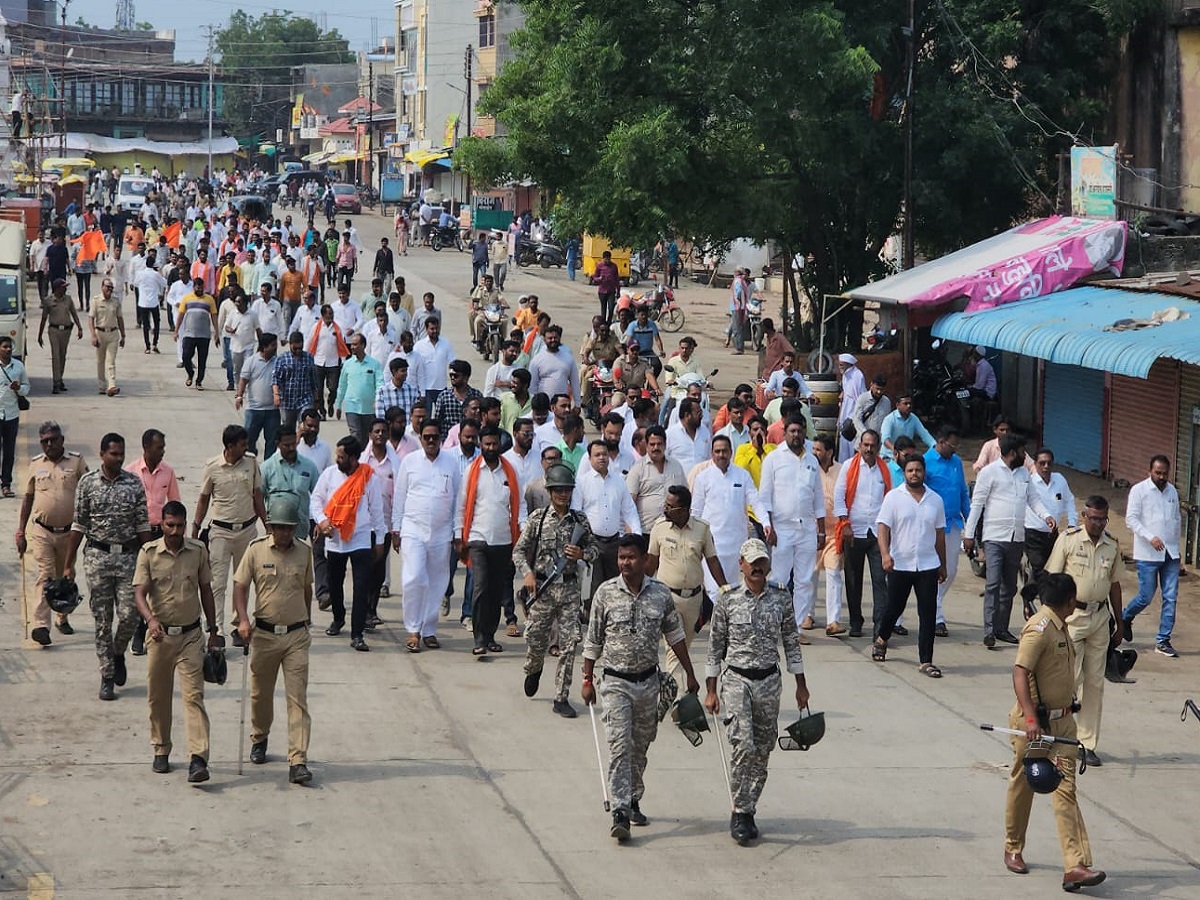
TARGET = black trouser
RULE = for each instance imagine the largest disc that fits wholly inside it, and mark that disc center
(326, 388)
(491, 567)
(673, 275)
(83, 284)
(345, 275)
(320, 564)
(1038, 545)
(379, 569)
(860, 550)
(477, 269)
(605, 566)
(361, 567)
(197, 347)
(608, 305)
(8, 449)
(899, 585)
(43, 284)
(146, 318)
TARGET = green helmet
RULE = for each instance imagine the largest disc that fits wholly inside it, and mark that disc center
(804, 732)
(282, 511)
(689, 715)
(560, 476)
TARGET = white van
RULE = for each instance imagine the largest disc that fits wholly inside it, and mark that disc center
(132, 191)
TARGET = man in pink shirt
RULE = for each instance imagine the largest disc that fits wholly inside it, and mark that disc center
(161, 486)
(347, 261)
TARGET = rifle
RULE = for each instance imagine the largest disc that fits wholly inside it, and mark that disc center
(560, 563)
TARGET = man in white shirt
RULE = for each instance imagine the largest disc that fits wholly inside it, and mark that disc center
(426, 488)
(525, 456)
(306, 316)
(774, 386)
(179, 289)
(1002, 493)
(380, 336)
(240, 330)
(857, 510)
(720, 496)
(790, 490)
(347, 313)
(310, 444)
(736, 430)
(381, 456)
(253, 273)
(271, 315)
(499, 375)
(150, 287)
(551, 431)
(487, 520)
(327, 344)
(912, 542)
(398, 317)
(853, 385)
(601, 495)
(350, 517)
(688, 442)
(1152, 514)
(429, 365)
(650, 477)
(1057, 498)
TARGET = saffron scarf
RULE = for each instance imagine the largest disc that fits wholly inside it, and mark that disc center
(342, 350)
(342, 508)
(472, 489)
(852, 471)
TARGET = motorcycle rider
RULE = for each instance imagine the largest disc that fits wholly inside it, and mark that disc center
(484, 294)
(631, 373)
(645, 333)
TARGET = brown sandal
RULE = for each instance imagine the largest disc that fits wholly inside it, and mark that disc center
(413, 643)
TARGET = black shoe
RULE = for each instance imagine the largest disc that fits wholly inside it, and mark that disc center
(939, 630)
(41, 635)
(161, 765)
(107, 691)
(1090, 757)
(636, 816)
(197, 770)
(856, 629)
(64, 626)
(900, 630)
(620, 826)
(752, 825)
(258, 753)
(989, 641)
(359, 644)
(138, 645)
(532, 682)
(235, 638)
(1008, 637)
(299, 774)
(335, 628)
(739, 830)
(120, 673)
(323, 602)
(1127, 629)
(564, 709)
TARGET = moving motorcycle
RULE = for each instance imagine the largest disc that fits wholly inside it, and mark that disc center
(494, 316)
(603, 386)
(447, 237)
(940, 393)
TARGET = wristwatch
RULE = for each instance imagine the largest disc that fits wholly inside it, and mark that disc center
(213, 629)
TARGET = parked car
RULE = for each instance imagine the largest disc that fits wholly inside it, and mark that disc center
(345, 198)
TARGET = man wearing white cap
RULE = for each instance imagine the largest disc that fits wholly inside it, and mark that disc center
(854, 385)
(985, 376)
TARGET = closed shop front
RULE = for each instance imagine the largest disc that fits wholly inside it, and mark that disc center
(1185, 466)
(1073, 416)
(1143, 420)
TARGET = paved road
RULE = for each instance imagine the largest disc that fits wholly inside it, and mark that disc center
(435, 776)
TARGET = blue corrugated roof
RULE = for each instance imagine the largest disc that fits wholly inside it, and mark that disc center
(1068, 328)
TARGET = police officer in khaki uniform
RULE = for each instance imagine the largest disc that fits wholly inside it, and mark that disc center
(281, 570)
(171, 582)
(679, 545)
(1044, 682)
(107, 325)
(50, 501)
(231, 489)
(59, 313)
(1092, 557)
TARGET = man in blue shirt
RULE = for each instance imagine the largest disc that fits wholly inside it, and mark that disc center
(295, 375)
(902, 422)
(944, 476)
(673, 264)
(361, 377)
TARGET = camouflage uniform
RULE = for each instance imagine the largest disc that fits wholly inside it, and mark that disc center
(625, 630)
(112, 512)
(545, 535)
(745, 635)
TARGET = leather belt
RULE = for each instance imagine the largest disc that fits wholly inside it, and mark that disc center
(1058, 713)
(755, 674)
(685, 593)
(114, 328)
(630, 676)
(235, 526)
(264, 625)
(53, 529)
(106, 547)
(180, 629)
(606, 539)
(563, 577)
(1098, 604)
(62, 327)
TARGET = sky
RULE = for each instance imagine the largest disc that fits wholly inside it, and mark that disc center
(353, 19)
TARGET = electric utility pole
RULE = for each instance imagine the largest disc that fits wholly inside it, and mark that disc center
(467, 74)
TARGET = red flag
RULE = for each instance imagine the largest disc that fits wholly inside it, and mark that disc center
(91, 244)
(172, 233)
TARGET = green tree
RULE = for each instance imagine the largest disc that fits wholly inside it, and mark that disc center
(783, 119)
(257, 56)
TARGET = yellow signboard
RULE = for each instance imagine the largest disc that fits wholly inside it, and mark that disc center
(451, 131)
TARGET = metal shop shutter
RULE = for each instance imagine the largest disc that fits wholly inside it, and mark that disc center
(1073, 416)
(1143, 416)
(1184, 467)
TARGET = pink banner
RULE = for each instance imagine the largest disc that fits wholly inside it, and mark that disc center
(1056, 253)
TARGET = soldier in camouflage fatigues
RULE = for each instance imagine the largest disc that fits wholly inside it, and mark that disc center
(110, 511)
(630, 613)
(545, 538)
(748, 623)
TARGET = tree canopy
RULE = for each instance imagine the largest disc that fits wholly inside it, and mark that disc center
(257, 56)
(782, 119)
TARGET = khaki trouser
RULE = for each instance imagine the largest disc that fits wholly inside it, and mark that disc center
(268, 654)
(60, 338)
(106, 358)
(1089, 633)
(185, 653)
(225, 551)
(689, 611)
(50, 556)
(1072, 835)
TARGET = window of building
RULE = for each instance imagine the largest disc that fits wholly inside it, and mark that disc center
(487, 31)
(129, 92)
(154, 98)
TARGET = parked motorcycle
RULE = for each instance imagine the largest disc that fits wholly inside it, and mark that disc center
(940, 393)
(447, 237)
(527, 252)
(639, 267)
(550, 254)
(661, 302)
(754, 317)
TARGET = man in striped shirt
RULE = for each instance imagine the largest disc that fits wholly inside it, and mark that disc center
(397, 391)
